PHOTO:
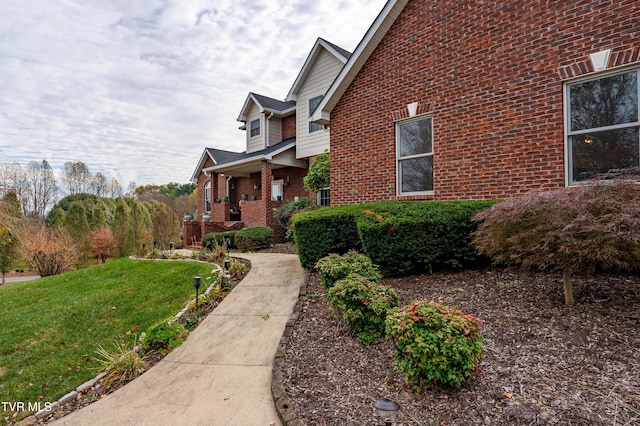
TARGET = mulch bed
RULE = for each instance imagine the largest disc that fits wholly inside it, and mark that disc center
(544, 363)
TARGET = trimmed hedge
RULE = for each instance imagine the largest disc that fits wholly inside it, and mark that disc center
(402, 237)
(253, 238)
(328, 230)
(220, 238)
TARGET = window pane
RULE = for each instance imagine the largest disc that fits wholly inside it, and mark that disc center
(255, 127)
(417, 174)
(596, 153)
(604, 102)
(324, 197)
(415, 137)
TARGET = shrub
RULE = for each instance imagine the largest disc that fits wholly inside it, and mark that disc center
(402, 237)
(254, 238)
(363, 305)
(164, 336)
(120, 366)
(48, 251)
(237, 268)
(578, 228)
(328, 230)
(283, 213)
(413, 237)
(220, 238)
(435, 344)
(336, 267)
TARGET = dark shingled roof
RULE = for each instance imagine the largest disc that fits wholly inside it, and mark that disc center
(224, 157)
(273, 104)
(339, 49)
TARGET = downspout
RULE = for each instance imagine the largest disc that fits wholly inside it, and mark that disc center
(266, 130)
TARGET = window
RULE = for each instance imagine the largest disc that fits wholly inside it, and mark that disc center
(277, 188)
(603, 126)
(255, 128)
(313, 103)
(414, 140)
(324, 199)
(207, 196)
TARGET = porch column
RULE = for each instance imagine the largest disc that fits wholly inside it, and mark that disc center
(266, 182)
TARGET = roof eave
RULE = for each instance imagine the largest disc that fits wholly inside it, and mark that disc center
(363, 51)
(308, 64)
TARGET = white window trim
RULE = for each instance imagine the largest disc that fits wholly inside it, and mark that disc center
(280, 184)
(408, 157)
(319, 192)
(207, 196)
(566, 107)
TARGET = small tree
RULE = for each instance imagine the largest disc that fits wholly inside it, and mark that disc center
(318, 176)
(582, 228)
(102, 243)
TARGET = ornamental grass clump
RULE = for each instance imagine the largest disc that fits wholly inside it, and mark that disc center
(363, 305)
(436, 345)
(336, 267)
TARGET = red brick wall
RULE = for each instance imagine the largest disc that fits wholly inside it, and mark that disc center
(288, 127)
(202, 180)
(491, 73)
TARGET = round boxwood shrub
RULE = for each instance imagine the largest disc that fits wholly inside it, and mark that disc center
(363, 305)
(335, 267)
(253, 238)
(435, 344)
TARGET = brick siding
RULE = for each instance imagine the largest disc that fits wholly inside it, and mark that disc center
(491, 73)
(288, 127)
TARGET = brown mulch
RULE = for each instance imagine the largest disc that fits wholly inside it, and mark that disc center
(544, 363)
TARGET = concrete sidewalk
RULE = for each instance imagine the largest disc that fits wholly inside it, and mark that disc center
(222, 374)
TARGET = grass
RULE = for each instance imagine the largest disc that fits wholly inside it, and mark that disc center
(52, 327)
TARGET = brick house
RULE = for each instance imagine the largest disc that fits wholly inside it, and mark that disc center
(474, 99)
(239, 189)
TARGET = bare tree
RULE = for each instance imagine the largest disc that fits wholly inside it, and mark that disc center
(76, 177)
(100, 185)
(13, 179)
(41, 188)
(114, 189)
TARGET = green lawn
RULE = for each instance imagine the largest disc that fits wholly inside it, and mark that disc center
(50, 328)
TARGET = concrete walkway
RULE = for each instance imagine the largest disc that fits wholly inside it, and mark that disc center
(222, 374)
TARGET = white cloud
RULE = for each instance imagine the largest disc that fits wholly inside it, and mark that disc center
(137, 90)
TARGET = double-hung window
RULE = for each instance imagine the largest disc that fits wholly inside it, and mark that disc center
(207, 196)
(324, 197)
(414, 145)
(313, 103)
(602, 126)
(255, 128)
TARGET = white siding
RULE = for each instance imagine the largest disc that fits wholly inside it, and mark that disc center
(255, 143)
(323, 72)
(275, 130)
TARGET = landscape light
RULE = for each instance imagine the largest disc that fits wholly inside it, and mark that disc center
(196, 284)
(387, 409)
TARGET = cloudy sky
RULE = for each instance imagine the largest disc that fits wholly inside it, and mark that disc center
(136, 89)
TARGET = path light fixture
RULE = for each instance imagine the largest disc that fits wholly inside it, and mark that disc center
(170, 249)
(227, 264)
(196, 284)
(387, 409)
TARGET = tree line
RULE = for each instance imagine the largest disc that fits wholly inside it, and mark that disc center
(95, 219)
